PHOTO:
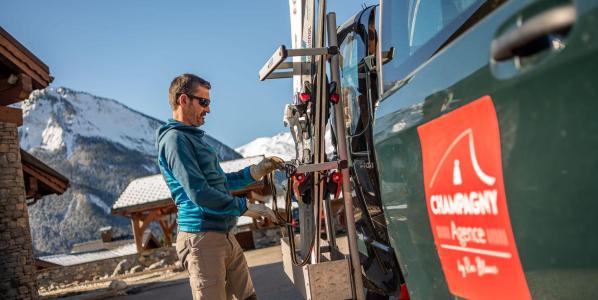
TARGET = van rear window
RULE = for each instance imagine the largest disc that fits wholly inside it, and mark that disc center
(416, 29)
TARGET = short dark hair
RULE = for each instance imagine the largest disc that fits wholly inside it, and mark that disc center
(185, 84)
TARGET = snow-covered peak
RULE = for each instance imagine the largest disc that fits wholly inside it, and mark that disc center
(55, 117)
(281, 145)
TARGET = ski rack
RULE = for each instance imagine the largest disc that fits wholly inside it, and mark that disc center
(276, 62)
(320, 280)
(325, 166)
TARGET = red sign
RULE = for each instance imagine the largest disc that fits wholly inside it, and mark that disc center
(467, 206)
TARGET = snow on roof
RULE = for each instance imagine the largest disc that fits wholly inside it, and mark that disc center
(153, 188)
(75, 259)
(142, 191)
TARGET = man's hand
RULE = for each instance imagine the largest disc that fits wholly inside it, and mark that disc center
(256, 210)
(266, 166)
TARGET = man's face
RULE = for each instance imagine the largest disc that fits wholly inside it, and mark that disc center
(194, 112)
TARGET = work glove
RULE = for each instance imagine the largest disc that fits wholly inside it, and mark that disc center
(266, 166)
(256, 210)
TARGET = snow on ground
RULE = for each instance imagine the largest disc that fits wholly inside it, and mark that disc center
(99, 203)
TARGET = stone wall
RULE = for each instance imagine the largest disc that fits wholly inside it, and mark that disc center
(16, 254)
(102, 269)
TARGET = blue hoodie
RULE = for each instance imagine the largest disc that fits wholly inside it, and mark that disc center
(197, 183)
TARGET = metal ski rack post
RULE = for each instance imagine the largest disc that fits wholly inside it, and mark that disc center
(336, 274)
(342, 152)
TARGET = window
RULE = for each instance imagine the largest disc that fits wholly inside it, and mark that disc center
(416, 29)
(350, 57)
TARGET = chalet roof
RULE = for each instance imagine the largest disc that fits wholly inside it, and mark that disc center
(33, 161)
(41, 264)
(98, 245)
(79, 258)
(40, 179)
(20, 73)
(152, 190)
(31, 73)
(144, 190)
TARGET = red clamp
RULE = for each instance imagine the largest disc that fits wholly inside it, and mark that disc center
(337, 177)
(300, 178)
(335, 98)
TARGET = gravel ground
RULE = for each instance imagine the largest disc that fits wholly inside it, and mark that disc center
(265, 266)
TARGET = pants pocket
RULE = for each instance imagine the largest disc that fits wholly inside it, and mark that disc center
(182, 251)
(184, 246)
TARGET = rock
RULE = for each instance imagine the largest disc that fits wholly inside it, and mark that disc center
(136, 269)
(116, 285)
(157, 265)
(178, 266)
(122, 267)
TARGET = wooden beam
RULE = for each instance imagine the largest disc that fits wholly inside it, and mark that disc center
(31, 191)
(169, 210)
(15, 92)
(166, 231)
(147, 219)
(172, 225)
(137, 233)
(258, 185)
(24, 61)
(11, 115)
(55, 185)
(144, 207)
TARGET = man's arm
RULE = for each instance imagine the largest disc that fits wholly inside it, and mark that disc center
(240, 179)
(185, 169)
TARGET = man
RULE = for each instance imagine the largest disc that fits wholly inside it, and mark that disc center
(206, 210)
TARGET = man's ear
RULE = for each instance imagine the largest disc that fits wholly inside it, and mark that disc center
(182, 100)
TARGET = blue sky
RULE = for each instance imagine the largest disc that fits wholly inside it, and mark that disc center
(131, 50)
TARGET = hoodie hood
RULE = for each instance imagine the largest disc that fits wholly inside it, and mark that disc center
(174, 124)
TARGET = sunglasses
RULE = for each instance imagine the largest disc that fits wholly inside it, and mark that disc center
(202, 101)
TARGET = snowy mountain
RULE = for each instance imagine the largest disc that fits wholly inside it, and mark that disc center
(281, 145)
(100, 145)
(54, 118)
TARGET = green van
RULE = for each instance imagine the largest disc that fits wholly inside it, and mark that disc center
(471, 130)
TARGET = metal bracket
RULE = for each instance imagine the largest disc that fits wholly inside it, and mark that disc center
(325, 166)
(276, 61)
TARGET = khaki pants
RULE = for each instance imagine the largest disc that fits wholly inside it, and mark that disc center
(216, 265)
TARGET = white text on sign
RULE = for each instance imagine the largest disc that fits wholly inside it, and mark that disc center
(472, 203)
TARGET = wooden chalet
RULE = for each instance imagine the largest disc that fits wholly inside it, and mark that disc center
(21, 72)
(22, 174)
(148, 199)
